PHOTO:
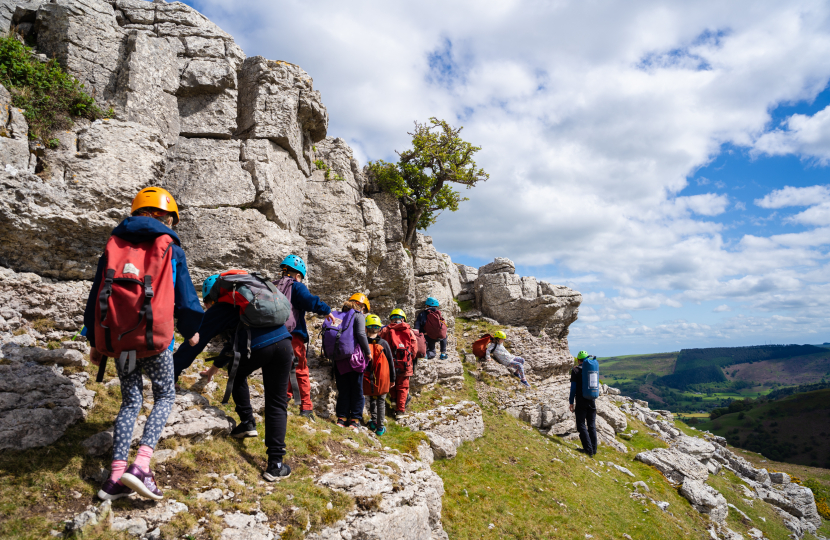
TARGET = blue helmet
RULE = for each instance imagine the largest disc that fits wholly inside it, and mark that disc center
(208, 285)
(431, 302)
(295, 263)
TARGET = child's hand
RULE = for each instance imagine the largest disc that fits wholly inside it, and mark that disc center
(330, 318)
(194, 340)
(95, 357)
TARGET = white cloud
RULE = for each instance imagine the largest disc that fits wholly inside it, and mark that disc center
(591, 118)
(722, 308)
(795, 196)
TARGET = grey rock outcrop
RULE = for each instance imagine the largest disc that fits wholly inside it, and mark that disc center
(26, 297)
(410, 507)
(37, 405)
(14, 135)
(705, 499)
(523, 301)
(448, 426)
(674, 464)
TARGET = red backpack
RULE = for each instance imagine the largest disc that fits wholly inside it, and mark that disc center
(480, 345)
(134, 313)
(435, 327)
(376, 377)
(421, 351)
(403, 345)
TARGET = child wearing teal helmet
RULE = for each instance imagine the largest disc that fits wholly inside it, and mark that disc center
(423, 325)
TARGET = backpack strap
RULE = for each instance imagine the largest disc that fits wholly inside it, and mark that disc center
(292, 379)
(234, 365)
(147, 309)
(102, 368)
(103, 305)
(126, 362)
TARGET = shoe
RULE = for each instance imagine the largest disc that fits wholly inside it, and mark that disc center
(443, 356)
(342, 422)
(276, 470)
(243, 430)
(113, 490)
(430, 355)
(143, 483)
(308, 414)
(526, 383)
(380, 431)
(372, 426)
(353, 424)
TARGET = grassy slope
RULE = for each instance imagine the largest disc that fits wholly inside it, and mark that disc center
(803, 420)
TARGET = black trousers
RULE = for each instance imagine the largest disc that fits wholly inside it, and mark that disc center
(587, 433)
(275, 360)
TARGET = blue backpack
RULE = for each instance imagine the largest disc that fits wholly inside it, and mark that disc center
(590, 378)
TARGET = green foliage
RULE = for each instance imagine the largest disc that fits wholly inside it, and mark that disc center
(727, 356)
(50, 96)
(420, 179)
(683, 379)
(328, 174)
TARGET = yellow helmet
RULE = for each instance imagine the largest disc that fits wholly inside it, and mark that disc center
(360, 297)
(500, 335)
(156, 197)
(373, 320)
(399, 312)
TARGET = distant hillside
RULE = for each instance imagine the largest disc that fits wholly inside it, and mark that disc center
(794, 429)
(696, 381)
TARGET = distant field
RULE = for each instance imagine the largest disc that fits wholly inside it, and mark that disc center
(794, 429)
(792, 371)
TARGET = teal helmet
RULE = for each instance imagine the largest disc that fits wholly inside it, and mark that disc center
(431, 302)
(208, 285)
(295, 263)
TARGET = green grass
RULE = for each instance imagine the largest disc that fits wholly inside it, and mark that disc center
(50, 96)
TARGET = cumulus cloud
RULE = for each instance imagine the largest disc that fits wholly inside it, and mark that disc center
(591, 118)
(722, 308)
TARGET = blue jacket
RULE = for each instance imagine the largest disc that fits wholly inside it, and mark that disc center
(304, 301)
(188, 309)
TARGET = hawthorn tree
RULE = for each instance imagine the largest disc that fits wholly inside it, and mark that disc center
(422, 176)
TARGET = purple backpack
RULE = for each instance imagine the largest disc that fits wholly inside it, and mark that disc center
(338, 336)
(285, 285)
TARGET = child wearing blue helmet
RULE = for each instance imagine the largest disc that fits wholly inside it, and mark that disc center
(431, 323)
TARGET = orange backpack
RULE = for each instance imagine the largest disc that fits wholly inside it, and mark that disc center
(376, 377)
(480, 345)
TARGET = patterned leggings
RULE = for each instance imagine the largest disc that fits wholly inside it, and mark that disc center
(160, 371)
(518, 364)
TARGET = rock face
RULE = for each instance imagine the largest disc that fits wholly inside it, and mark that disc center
(705, 499)
(448, 427)
(523, 301)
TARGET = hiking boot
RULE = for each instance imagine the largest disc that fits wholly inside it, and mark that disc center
(143, 483)
(372, 426)
(443, 356)
(113, 490)
(308, 414)
(353, 424)
(342, 422)
(243, 430)
(526, 383)
(276, 470)
(380, 431)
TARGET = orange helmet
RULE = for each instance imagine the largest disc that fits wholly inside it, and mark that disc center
(156, 197)
(360, 297)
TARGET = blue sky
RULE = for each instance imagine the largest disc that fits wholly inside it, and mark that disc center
(668, 160)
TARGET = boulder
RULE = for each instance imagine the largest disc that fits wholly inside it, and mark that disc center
(208, 173)
(26, 297)
(802, 502)
(675, 465)
(611, 414)
(705, 499)
(37, 405)
(85, 38)
(278, 102)
(147, 84)
(500, 265)
(88, 194)
(59, 357)
(702, 450)
(278, 181)
(779, 477)
(454, 423)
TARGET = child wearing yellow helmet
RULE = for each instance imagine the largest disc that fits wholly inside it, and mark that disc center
(404, 344)
(376, 390)
(497, 350)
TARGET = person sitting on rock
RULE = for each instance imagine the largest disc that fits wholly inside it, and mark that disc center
(585, 409)
(302, 301)
(432, 324)
(497, 350)
(143, 264)
(376, 390)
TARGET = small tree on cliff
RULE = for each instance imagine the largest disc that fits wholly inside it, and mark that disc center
(421, 177)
